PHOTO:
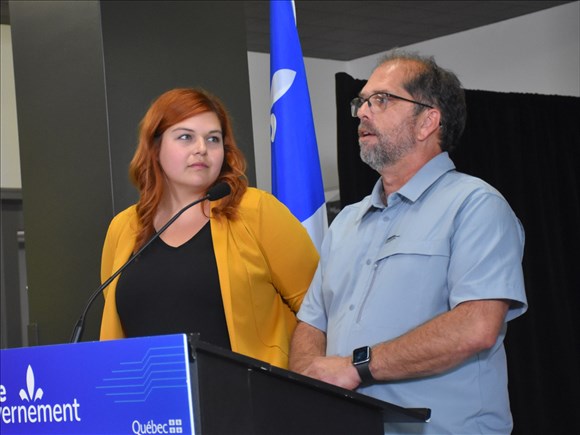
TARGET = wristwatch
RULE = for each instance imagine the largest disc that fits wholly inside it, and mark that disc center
(361, 358)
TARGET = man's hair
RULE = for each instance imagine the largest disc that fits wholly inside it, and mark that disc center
(429, 83)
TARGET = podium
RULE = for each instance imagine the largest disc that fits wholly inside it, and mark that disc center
(174, 384)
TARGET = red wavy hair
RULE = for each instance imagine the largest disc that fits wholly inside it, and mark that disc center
(146, 173)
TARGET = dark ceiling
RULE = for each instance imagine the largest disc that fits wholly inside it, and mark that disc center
(346, 30)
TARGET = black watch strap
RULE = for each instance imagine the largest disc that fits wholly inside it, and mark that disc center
(365, 373)
(361, 359)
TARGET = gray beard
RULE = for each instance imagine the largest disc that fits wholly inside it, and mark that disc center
(377, 157)
(386, 153)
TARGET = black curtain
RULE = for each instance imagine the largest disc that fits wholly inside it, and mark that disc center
(528, 147)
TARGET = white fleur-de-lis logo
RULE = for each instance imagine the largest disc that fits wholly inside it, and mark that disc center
(281, 82)
(31, 394)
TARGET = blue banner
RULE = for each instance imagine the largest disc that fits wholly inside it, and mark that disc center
(133, 386)
(296, 173)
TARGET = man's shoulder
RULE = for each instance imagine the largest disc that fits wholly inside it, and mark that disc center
(468, 184)
(352, 212)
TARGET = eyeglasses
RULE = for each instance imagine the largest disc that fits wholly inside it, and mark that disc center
(378, 102)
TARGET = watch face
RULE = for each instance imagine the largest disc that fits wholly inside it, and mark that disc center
(361, 355)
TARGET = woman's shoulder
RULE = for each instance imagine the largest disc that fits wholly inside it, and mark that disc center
(255, 199)
(124, 218)
(261, 208)
(253, 193)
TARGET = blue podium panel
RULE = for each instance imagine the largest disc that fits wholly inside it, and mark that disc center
(132, 386)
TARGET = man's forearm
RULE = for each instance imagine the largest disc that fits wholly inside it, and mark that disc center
(432, 348)
(441, 343)
(307, 343)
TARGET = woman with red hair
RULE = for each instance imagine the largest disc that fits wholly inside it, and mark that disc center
(234, 270)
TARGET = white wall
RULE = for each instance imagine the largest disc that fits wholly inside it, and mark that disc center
(9, 152)
(535, 53)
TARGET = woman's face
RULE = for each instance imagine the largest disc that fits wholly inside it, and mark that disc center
(192, 153)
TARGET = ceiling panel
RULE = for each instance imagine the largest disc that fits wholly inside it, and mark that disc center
(346, 30)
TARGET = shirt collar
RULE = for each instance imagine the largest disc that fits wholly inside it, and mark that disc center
(414, 188)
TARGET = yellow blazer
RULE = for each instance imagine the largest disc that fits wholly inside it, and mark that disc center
(265, 262)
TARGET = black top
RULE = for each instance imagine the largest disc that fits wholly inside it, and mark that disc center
(169, 290)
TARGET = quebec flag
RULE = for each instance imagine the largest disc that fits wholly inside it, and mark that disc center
(296, 174)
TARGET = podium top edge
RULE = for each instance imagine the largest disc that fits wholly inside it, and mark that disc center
(391, 412)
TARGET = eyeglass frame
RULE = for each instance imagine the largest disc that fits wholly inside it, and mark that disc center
(354, 109)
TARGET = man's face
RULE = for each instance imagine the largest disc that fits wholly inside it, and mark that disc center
(386, 137)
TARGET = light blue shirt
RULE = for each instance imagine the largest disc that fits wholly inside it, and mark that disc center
(444, 238)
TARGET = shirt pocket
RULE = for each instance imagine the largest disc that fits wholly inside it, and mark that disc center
(408, 286)
(402, 246)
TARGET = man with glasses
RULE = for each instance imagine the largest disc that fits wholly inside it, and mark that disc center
(416, 282)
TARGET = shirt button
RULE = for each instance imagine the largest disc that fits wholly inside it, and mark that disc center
(351, 307)
(369, 262)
